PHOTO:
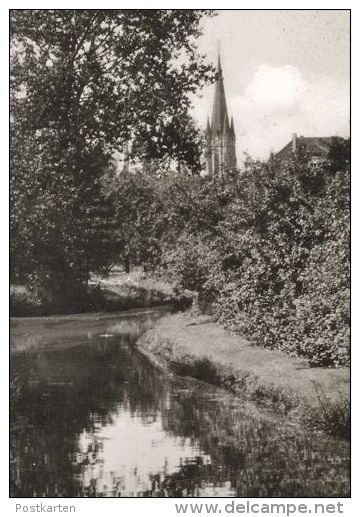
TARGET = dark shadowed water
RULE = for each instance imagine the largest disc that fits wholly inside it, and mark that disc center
(92, 417)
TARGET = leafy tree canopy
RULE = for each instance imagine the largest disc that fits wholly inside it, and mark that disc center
(85, 83)
(110, 76)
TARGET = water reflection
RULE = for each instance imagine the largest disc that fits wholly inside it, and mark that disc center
(91, 417)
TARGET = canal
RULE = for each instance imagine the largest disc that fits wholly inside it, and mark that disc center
(91, 417)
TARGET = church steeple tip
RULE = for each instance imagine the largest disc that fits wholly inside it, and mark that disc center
(219, 69)
(219, 105)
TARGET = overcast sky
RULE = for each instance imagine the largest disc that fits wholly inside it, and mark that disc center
(284, 72)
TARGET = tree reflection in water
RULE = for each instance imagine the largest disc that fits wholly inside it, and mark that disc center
(97, 419)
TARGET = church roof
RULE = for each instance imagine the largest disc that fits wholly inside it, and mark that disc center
(219, 113)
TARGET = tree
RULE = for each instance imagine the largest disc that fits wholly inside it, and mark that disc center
(269, 254)
(137, 214)
(85, 83)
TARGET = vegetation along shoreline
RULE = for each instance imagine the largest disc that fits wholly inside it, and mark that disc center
(198, 347)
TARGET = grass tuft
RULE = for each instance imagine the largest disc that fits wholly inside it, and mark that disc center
(333, 417)
(202, 369)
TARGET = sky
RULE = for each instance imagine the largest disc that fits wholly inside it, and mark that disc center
(285, 71)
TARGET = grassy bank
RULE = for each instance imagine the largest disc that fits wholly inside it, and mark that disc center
(200, 348)
(118, 292)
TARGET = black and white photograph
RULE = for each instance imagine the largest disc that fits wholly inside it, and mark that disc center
(179, 254)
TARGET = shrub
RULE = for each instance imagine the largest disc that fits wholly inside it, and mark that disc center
(22, 301)
(272, 260)
(332, 417)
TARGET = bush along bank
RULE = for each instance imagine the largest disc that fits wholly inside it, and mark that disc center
(198, 347)
(266, 251)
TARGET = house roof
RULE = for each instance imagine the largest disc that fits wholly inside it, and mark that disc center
(317, 146)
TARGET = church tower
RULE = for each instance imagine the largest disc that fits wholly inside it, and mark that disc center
(220, 133)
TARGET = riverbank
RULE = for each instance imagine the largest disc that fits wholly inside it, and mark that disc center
(198, 347)
(80, 381)
(119, 291)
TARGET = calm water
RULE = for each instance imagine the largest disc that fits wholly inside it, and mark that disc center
(92, 417)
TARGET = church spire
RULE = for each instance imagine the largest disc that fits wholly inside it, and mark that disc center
(208, 128)
(232, 130)
(219, 69)
(226, 125)
(220, 150)
(219, 107)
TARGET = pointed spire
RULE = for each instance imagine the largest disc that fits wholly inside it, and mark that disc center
(219, 106)
(219, 69)
(232, 130)
(226, 126)
(221, 152)
(208, 128)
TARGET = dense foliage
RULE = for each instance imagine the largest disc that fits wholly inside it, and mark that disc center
(283, 278)
(267, 253)
(84, 85)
